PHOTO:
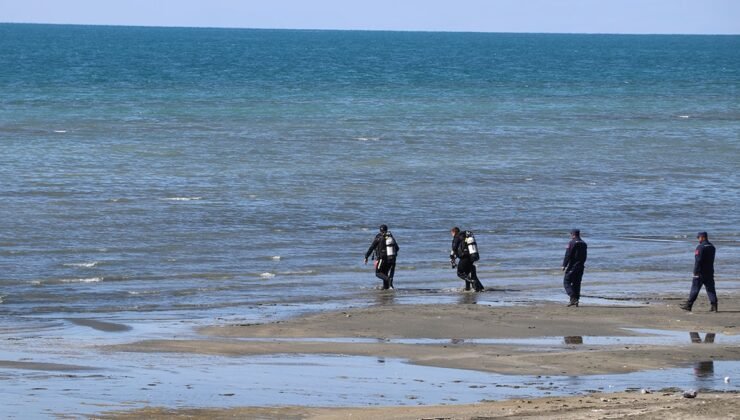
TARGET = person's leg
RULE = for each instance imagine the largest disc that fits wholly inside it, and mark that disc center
(576, 282)
(474, 276)
(711, 293)
(463, 271)
(391, 273)
(695, 287)
(568, 286)
(381, 272)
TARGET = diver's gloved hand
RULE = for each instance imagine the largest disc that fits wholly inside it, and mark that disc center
(452, 263)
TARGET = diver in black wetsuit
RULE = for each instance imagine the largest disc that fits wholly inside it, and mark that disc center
(385, 249)
(465, 248)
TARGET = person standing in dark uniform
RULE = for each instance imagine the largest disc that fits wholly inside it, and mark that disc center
(573, 265)
(385, 249)
(703, 273)
(465, 248)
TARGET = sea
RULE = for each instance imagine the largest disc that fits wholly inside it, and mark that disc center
(163, 177)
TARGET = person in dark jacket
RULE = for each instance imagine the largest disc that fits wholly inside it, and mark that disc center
(573, 265)
(703, 273)
(465, 266)
(384, 249)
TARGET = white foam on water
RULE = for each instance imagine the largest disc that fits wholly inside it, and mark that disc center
(367, 138)
(276, 258)
(267, 275)
(683, 116)
(182, 198)
(60, 131)
(82, 265)
(298, 272)
(87, 280)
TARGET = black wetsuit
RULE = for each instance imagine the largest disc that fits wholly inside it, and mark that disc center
(465, 266)
(574, 262)
(703, 272)
(385, 267)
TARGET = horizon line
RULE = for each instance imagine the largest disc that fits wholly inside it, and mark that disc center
(119, 25)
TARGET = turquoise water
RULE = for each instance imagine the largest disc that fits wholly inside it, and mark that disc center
(201, 172)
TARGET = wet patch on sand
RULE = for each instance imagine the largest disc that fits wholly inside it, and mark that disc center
(99, 325)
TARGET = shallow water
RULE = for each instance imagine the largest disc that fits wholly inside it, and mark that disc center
(86, 380)
(138, 380)
(239, 175)
(222, 168)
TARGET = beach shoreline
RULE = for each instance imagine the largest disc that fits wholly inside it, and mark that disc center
(657, 405)
(563, 341)
(538, 339)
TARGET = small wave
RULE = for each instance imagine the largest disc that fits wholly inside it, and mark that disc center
(182, 198)
(276, 258)
(60, 131)
(367, 138)
(87, 280)
(82, 265)
(683, 116)
(267, 275)
(298, 272)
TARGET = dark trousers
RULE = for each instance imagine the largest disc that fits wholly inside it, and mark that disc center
(466, 271)
(385, 270)
(572, 283)
(708, 283)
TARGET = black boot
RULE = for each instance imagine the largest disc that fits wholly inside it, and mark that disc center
(573, 302)
(686, 306)
(713, 308)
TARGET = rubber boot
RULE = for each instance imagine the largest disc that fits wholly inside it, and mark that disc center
(686, 306)
(573, 302)
(467, 286)
(713, 308)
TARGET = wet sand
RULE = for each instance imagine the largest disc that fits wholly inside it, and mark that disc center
(99, 325)
(381, 330)
(456, 325)
(660, 405)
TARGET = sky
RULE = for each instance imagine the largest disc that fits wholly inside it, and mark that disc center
(555, 16)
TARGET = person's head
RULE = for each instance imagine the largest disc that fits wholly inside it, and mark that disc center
(575, 233)
(383, 228)
(702, 236)
(454, 231)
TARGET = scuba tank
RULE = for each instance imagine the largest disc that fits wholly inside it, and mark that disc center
(390, 244)
(471, 245)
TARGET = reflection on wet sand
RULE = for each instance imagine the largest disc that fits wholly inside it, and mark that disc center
(573, 339)
(468, 298)
(696, 338)
(704, 369)
(385, 298)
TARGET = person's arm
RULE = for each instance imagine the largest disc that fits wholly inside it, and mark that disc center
(371, 249)
(585, 253)
(698, 254)
(455, 247)
(568, 251)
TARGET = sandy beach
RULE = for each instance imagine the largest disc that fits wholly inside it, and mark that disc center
(598, 406)
(452, 325)
(538, 339)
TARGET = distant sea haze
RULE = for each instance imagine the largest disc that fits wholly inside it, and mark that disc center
(204, 170)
